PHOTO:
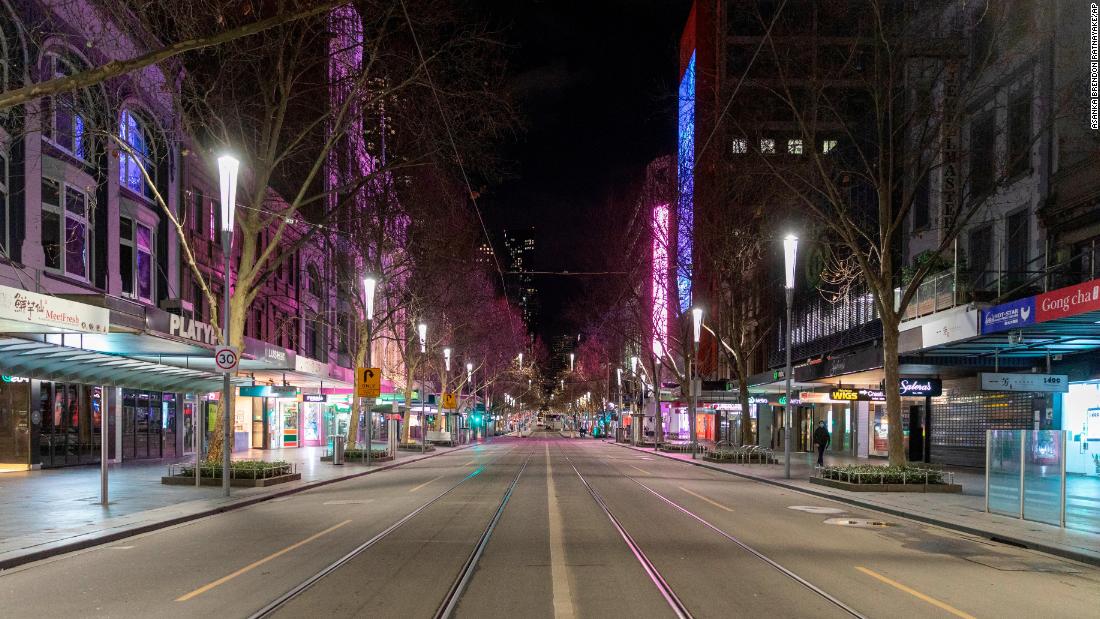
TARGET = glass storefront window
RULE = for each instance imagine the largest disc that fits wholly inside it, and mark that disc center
(1081, 417)
(15, 438)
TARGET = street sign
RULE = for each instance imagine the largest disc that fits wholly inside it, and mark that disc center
(226, 358)
(449, 400)
(368, 382)
(1046, 383)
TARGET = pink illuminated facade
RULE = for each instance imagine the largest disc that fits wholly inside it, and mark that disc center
(659, 316)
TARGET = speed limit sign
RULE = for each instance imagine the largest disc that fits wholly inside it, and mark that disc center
(226, 358)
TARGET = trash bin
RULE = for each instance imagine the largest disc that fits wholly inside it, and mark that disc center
(338, 449)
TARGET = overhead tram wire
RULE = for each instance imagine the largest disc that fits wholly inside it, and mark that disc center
(458, 158)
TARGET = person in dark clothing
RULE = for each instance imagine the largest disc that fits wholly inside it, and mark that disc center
(821, 440)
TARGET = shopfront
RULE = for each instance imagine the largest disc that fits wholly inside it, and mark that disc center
(15, 426)
(1080, 416)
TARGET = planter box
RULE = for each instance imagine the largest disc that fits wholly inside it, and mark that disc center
(843, 485)
(710, 458)
(358, 459)
(189, 480)
(415, 447)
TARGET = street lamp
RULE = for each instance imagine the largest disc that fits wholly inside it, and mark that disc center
(790, 253)
(571, 357)
(619, 408)
(422, 329)
(697, 325)
(370, 284)
(521, 361)
(473, 392)
(227, 173)
(443, 383)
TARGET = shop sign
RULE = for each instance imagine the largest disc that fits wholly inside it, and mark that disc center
(756, 399)
(1048, 383)
(268, 391)
(191, 329)
(872, 395)
(813, 397)
(309, 366)
(14, 379)
(1011, 315)
(314, 397)
(850, 395)
(913, 387)
(957, 325)
(43, 310)
(1068, 301)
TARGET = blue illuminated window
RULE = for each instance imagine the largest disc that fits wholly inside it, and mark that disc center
(686, 178)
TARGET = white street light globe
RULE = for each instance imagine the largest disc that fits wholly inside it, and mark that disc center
(369, 284)
(447, 358)
(697, 322)
(634, 365)
(423, 330)
(790, 252)
(227, 173)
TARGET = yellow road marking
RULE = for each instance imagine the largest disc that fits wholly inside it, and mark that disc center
(917, 594)
(470, 462)
(643, 471)
(559, 573)
(424, 484)
(703, 498)
(251, 566)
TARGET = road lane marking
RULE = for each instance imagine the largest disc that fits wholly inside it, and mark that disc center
(643, 471)
(470, 462)
(251, 566)
(917, 594)
(425, 484)
(703, 498)
(559, 573)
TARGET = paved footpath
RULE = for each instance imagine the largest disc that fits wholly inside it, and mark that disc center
(961, 512)
(47, 512)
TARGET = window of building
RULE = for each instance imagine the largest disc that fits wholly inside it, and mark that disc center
(827, 146)
(980, 257)
(1019, 133)
(767, 146)
(198, 300)
(131, 161)
(983, 155)
(1016, 244)
(794, 147)
(740, 146)
(197, 210)
(65, 228)
(136, 258)
(313, 276)
(67, 126)
(4, 193)
(921, 206)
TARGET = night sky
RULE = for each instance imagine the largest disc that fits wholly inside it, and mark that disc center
(594, 82)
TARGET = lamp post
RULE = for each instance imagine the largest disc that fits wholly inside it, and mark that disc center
(619, 408)
(790, 252)
(571, 358)
(697, 323)
(443, 381)
(470, 381)
(369, 286)
(227, 173)
(636, 420)
(422, 330)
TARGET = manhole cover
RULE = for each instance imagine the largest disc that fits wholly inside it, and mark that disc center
(816, 509)
(858, 522)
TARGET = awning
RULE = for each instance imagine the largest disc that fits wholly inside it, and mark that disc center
(64, 363)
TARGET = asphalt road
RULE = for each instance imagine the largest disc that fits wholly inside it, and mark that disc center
(550, 527)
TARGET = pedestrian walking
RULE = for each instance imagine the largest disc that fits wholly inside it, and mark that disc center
(821, 440)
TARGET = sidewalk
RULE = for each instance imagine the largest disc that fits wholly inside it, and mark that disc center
(960, 512)
(53, 511)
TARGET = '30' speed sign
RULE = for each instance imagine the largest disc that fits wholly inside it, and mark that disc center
(226, 358)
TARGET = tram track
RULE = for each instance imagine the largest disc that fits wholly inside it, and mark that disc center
(458, 586)
(662, 585)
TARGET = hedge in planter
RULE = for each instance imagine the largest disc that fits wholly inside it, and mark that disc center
(874, 474)
(242, 469)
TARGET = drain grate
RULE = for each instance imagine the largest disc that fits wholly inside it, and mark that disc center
(816, 509)
(865, 523)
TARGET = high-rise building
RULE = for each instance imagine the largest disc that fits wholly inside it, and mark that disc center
(519, 256)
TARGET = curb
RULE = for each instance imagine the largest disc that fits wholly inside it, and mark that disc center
(38, 555)
(1058, 551)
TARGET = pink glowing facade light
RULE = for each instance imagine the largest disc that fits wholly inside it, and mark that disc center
(660, 278)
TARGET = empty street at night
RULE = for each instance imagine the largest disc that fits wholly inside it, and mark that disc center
(551, 527)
